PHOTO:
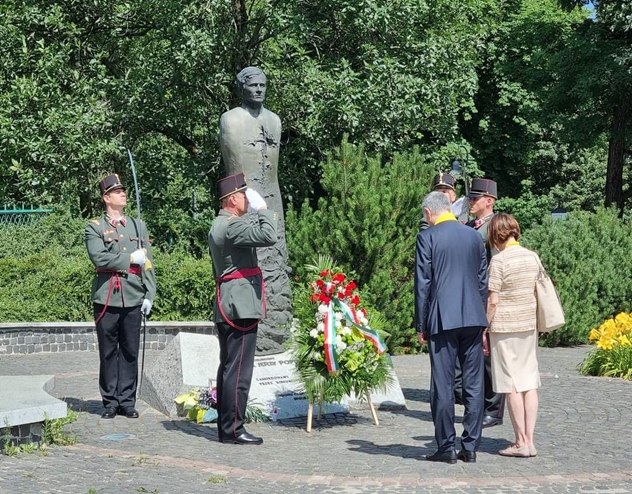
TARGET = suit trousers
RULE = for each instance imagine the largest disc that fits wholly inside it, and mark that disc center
(234, 375)
(494, 402)
(118, 334)
(464, 345)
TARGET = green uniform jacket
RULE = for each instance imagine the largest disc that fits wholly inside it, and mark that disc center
(109, 248)
(483, 231)
(232, 244)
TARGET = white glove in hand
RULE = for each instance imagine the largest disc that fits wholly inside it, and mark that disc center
(255, 201)
(146, 307)
(138, 257)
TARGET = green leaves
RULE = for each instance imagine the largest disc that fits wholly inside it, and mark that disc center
(585, 255)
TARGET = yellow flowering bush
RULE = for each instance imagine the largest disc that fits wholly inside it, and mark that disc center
(613, 355)
(613, 332)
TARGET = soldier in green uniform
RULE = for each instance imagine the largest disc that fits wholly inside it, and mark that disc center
(239, 298)
(445, 183)
(123, 290)
(482, 196)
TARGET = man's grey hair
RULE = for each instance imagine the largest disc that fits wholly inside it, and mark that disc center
(246, 74)
(437, 203)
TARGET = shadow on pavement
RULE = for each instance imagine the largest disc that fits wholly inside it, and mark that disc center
(95, 407)
(208, 431)
(400, 450)
(415, 394)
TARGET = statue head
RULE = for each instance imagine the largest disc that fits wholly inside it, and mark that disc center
(251, 85)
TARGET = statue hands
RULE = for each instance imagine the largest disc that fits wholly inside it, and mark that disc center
(255, 201)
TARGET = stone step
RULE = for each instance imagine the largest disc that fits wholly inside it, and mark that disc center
(26, 400)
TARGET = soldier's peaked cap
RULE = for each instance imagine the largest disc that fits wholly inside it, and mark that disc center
(230, 185)
(109, 183)
(443, 180)
(483, 187)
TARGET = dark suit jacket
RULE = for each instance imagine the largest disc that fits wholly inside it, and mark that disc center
(450, 278)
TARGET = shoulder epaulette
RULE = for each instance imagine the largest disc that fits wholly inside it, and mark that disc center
(96, 222)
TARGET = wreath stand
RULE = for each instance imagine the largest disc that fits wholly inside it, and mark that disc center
(310, 410)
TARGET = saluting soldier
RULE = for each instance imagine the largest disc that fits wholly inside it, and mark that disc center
(482, 197)
(239, 298)
(123, 289)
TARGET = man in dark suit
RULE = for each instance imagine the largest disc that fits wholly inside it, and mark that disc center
(450, 305)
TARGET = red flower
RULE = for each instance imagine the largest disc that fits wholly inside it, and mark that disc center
(324, 298)
(355, 301)
(320, 283)
(324, 273)
(339, 278)
(350, 286)
(314, 298)
(341, 295)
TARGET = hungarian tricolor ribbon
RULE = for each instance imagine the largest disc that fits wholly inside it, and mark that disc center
(331, 353)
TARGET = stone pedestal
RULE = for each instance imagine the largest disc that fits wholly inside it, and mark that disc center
(191, 361)
(188, 361)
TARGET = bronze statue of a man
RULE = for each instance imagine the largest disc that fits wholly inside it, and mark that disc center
(250, 137)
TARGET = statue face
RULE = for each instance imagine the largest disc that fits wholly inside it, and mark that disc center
(254, 90)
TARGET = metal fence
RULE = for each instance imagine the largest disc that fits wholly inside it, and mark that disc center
(12, 215)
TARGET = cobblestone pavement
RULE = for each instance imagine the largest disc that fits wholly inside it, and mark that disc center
(582, 436)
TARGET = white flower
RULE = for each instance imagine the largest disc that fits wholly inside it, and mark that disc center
(322, 308)
(345, 331)
(338, 316)
(338, 324)
(363, 320)
(321, 327)
(314, 333)
(340, 344)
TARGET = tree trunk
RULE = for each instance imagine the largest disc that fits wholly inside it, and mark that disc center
(616, 155)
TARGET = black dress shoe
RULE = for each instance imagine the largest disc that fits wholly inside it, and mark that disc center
(467, 456)
(489, 421)
(243, 438)
(129, 412)
(445, 456)
(109, 413)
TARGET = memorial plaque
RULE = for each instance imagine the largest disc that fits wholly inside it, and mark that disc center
(275, 387)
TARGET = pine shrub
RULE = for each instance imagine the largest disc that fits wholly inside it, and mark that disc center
(367, 222)
(588, 256)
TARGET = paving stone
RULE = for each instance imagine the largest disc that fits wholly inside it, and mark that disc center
(582, 438)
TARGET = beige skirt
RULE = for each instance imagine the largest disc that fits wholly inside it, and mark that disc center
(514, 361)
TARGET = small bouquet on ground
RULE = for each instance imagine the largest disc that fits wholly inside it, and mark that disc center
(199, 405)
(338, 345)
(613, 355)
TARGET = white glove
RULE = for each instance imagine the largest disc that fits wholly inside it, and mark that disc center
(146, 307)
(255, 201)
(138, 257)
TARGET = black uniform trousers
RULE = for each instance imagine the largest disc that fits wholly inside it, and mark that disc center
(494, 402)
(234, 375)
(464, 345)
(118, 334)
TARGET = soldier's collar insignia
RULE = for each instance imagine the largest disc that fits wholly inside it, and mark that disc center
(116, 222)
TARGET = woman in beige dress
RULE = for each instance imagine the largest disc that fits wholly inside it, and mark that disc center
(513, 335)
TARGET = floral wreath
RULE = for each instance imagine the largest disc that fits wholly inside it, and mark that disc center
(338, 347)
